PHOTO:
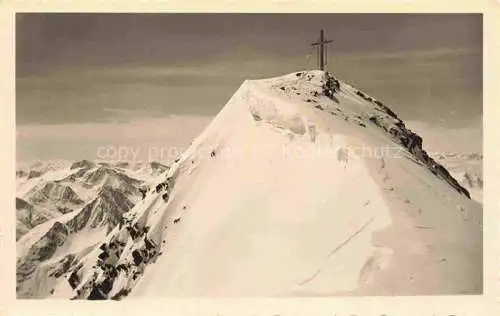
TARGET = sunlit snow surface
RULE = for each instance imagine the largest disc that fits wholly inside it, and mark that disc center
(289, 192)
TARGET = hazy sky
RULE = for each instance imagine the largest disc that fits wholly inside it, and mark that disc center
(79, 70)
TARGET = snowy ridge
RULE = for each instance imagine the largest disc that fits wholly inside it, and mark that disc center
(405, 137)
(283, 194)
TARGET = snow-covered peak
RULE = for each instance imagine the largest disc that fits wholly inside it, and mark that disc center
(301, 186)
(324, 181)
(296, 104)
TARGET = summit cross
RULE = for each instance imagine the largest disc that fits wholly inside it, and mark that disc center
(322, 52)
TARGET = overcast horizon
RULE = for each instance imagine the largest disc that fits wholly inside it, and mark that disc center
(164, 76)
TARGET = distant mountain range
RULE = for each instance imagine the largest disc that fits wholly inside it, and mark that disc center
(65, 208)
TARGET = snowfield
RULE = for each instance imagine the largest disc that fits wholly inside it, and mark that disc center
(301, 186)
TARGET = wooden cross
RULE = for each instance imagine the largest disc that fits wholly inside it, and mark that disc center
(321, 50)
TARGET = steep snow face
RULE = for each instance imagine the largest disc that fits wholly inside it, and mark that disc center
(301, 186)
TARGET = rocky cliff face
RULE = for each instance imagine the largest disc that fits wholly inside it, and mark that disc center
(104, 211)
(28, 217)
(53, 192)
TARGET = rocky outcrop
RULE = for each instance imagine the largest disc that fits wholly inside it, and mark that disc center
(109, 267)
(122, 258)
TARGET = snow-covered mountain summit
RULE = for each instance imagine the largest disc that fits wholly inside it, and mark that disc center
(301, 186)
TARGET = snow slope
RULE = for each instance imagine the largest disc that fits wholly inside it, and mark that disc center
(301, 186)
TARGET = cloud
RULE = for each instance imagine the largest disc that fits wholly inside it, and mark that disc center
(442, 139)
(173, 126)
(170, 135)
